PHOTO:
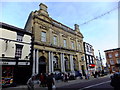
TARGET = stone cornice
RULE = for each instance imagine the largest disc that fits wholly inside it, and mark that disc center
(56, 47)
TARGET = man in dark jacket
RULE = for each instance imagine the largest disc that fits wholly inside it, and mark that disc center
(115, 81)
(50, 81)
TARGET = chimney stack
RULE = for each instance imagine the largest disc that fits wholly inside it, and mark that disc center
(43, 9)
(77, 27)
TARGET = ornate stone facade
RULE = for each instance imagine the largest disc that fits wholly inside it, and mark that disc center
(56, 46)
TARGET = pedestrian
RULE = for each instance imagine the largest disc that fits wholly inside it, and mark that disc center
(96, 74)
(50, 81)
(80, 74)
(30, 83)
(53, 75)
(66, 77)
(85, 75)
(44, 83)
(102, 72)
(88, 75)
(42, 79)
(115, 81)
(62, 75)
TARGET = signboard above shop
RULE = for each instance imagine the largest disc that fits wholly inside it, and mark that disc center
(92, 65)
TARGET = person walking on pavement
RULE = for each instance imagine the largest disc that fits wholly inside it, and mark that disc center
(80, 74)
(42, 79)
(50, 81)
(66, 77)
(115, 81)
(30, 83)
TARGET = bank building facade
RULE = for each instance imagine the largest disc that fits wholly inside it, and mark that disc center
(56, 47)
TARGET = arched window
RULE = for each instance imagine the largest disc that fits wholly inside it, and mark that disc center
(75, 63)
(42, 60)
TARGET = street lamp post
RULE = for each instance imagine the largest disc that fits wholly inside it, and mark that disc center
(100, 59)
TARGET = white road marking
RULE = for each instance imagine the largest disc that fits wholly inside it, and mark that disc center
(94, 85)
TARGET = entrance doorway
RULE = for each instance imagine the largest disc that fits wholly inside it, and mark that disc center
(66, 64)
(42, 64)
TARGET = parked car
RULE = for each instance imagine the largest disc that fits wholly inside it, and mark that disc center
(115, 80)
(72, 77)
(77, 73)
(58, 76)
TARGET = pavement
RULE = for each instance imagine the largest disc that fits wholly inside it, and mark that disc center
(58, 83)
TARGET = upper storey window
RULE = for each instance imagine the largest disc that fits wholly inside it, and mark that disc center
(118, 60)
(43, 36)
(55, 40)
(18, 52)
(110, 55)
(111, 62)
(79, 46)
(87, 48)
(65, 43)
(116, 54)
(72, 43)
(19, 37)
(90, 49)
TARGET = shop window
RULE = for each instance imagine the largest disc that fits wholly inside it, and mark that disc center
(7, 75)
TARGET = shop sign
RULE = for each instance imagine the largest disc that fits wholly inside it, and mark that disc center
(24, 63)
(92, 65)
(8, 63)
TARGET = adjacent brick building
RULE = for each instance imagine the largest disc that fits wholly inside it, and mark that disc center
(113, 59)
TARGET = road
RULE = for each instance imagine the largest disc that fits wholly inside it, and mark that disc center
(102, 83)
(96, 84)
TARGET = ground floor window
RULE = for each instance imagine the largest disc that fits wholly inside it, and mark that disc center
(7, 75)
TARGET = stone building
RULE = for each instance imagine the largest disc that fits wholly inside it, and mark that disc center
(15, 52)
(113, 59)
(56, 46)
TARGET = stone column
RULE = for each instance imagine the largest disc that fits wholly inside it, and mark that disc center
(61, 59)
(37, 62)
(52, 62)
(49, 62)
(33, 72)
(71, 63)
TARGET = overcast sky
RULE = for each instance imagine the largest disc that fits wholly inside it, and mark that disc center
(101, 33)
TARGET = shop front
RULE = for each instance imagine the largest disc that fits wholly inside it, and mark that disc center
(13, 74)
(7, 75)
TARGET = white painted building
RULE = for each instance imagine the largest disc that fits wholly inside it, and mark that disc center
(15, 51)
